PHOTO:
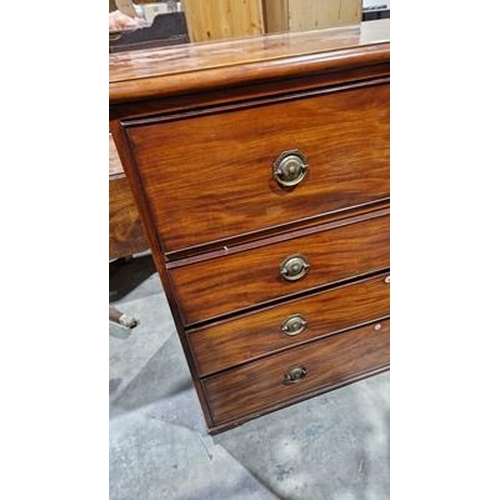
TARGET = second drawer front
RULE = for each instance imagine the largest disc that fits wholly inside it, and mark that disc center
(328, 362)
(233, 282)
(233, 342)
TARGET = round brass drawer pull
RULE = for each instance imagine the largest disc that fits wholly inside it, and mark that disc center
(294, 375)
(290, 168)
(294, 267)
(294, 325)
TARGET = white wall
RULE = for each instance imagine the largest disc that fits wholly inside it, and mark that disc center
(373, 3)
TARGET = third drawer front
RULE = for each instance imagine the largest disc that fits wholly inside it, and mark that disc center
(240, 280)
(284, 377)
(253, 335)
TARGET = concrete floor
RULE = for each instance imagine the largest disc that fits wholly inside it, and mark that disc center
(334, 446)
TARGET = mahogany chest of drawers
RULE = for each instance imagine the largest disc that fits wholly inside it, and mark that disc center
(260, 168)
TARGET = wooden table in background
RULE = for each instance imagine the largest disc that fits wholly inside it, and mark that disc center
(126, 233)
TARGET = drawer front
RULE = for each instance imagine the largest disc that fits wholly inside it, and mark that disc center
(229, 283)
(233, 342)
(328, 362)
(210, 177)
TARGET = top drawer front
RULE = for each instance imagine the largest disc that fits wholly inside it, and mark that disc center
(210, 177)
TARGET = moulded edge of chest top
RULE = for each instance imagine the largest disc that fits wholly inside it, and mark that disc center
(223, 92)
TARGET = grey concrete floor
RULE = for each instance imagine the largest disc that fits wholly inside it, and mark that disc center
(334, 446)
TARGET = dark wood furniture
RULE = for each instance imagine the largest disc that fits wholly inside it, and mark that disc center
(261, 171)
(126, 233)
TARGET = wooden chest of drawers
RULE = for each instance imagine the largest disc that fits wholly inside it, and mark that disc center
(260, 168)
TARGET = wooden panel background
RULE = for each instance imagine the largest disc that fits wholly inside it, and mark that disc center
(215, 19)
(302, 15)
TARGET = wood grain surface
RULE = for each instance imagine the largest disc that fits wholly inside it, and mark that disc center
(219, 182)
(199, 67)
(257, 334)
(330, 361)
(218, 19)
(222, 285)
(298, 15)
(126, 232)
(321, 14)
(198, 128)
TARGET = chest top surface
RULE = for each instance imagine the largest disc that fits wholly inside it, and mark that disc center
(156, 73)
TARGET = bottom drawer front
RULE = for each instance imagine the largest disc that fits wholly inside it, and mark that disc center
(291, 374)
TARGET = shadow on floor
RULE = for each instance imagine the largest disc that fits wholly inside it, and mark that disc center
(126, 274)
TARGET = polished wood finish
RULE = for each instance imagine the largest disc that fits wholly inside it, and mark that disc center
(254, 335)
(241, 194)
(331, 361)
(214, 287)
(198, 129)
(227, 64)
(126, 232)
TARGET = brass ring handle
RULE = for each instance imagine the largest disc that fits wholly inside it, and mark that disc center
(294, 325)
(295, 374)
(290, 168)
(294, 267)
